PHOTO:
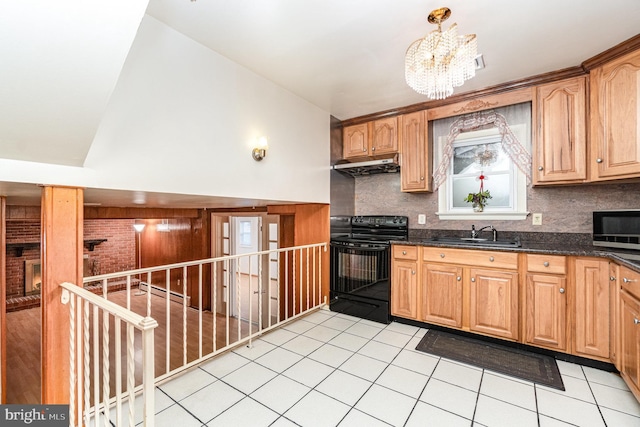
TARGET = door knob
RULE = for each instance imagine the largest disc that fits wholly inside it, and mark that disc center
(562, 290)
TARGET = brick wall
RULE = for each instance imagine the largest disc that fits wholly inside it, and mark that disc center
(118, 253)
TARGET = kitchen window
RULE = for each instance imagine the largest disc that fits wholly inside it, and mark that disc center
(481, 158)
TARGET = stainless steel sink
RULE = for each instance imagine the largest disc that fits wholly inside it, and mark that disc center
(476, 241)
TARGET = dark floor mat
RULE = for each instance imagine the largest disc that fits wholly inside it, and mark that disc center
(533, 367)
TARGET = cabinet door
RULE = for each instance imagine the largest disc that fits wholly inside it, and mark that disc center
(560, 132)
(415, 162)
(404, 289)
(442, 294)
(355, 141)
(384, 138)
(615, 110)
(592, 305)
(493, 305)
(546, 311)
(630, 334)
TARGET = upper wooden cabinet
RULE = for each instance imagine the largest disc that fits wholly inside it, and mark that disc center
(615, 119)
(415, 160)
(371, 139)
(355, 141)
(560, 132)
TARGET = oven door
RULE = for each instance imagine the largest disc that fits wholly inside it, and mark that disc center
(360, 280)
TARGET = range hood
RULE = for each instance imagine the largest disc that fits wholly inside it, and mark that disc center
(370, 167)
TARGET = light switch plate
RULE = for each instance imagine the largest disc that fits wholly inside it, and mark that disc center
(537, 219)
(422, 219)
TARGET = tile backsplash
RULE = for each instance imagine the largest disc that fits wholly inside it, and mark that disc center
(565, 209)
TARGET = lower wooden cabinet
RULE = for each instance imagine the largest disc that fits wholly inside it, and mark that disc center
(404, 282)
(441, 301)
(493, 307)
(630, 341)
(546, 311)
(592, 308)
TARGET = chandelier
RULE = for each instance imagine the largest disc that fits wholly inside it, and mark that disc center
(437, 63)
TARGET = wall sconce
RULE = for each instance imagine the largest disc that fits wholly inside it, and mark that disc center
(260, 151)
(138, 227)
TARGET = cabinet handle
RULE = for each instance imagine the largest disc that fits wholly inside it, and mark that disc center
(458, 278)
(562, 290)
(473, 279)
(422, 178)
(612, 278)
(364, 150)
(625, 280)
(404, 252)
(636, 321)
(540, 168)
(441, 255)
(491, 258)
(598, 160)
(373, 148)
(546, 263)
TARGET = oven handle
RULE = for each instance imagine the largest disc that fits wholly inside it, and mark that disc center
(360, 248)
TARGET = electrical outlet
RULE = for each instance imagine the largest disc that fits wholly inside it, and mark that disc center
(537, 219)
(422, 219)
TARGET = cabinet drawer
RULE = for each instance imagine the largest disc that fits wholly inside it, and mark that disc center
(552, 264)
(405, 252)
(477, 258)
(630, 281)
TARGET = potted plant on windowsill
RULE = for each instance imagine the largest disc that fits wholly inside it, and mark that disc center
(478, 200)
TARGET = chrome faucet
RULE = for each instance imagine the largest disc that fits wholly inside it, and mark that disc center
(475, 233)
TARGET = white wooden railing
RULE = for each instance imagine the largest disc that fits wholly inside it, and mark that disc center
(90, 352)
(249, 295)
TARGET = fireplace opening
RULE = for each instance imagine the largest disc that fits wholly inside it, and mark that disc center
(32, 277)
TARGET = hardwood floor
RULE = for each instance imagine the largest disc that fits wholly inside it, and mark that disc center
(23, 343)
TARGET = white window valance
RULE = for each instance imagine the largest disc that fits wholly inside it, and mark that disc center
(516, 151)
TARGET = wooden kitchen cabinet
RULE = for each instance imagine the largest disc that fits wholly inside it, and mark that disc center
(355, 141)
(630, 342)
(493, 307)
(545, 313)
(415, 154)
(372, 139)
(592, 308)
(441, 287)
(404, 282)
(545, 310)
(615, 116)
(471, 290)
(560, 132)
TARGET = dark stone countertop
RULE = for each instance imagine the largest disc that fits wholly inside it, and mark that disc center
(572, 244)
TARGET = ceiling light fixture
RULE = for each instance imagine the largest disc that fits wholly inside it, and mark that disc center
(437, 63)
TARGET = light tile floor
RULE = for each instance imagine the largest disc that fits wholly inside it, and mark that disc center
(329, 369)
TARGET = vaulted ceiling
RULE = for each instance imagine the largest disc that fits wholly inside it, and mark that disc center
(61, 61)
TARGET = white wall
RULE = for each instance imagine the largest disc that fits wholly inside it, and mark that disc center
(182, 119)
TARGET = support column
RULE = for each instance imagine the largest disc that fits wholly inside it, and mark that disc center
(61, 255)
(3, 300)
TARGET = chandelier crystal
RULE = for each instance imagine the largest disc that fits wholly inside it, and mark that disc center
(437, 63)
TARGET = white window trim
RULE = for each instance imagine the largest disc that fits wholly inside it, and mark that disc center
(519, 211)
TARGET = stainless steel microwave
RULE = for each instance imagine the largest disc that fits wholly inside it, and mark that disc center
(617, 229)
